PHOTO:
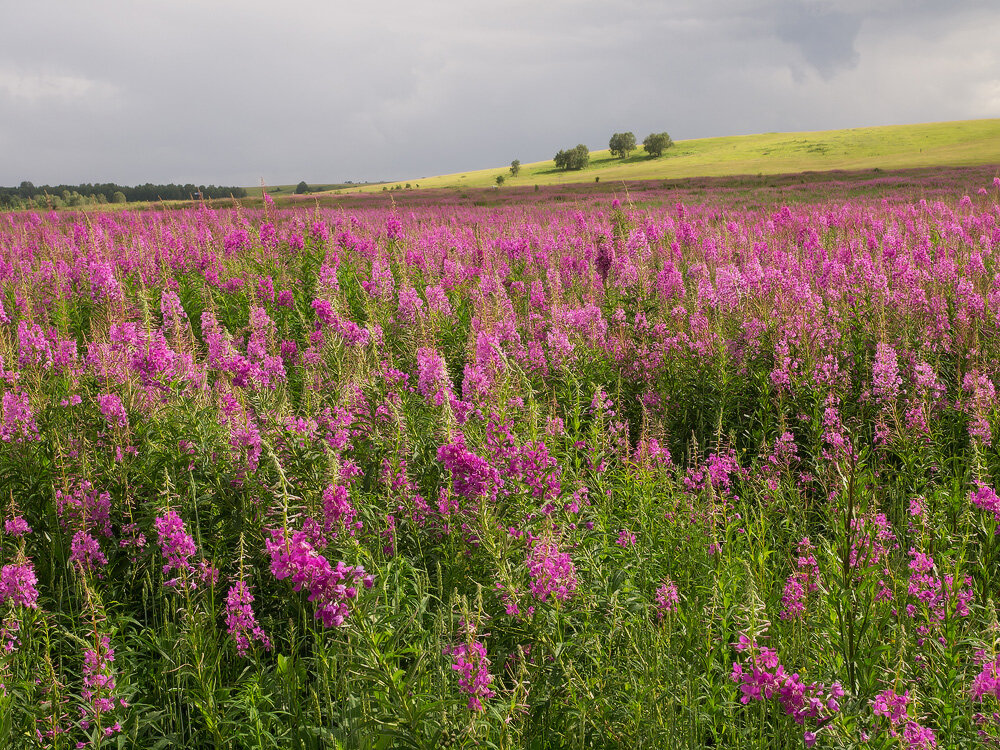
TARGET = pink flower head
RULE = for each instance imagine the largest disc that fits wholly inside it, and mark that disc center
(176, 545)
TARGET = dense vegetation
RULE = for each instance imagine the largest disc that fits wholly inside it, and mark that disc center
(29, 196)
(551, 476)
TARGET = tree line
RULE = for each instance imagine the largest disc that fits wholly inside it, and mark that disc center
(29, 195)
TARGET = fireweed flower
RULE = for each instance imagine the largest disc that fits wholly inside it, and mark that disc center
(625, 539)
(16, 526)
(85, 551)
(667, 599)
(433, 382)
(177, 547)
(764, 678)
(112, 410)
(552, 572)
(940, 597)
(338, 513)
(83, 508)
(986, 498)
(329, 587)
(471, 475)
(99, 690)
(885, 374)
(895, 707)
(987, 682)
(241, 623)
(17, 584)
(800, 583)
(469, 660)
(17, 421)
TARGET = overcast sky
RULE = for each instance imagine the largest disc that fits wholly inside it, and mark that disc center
(230, 92)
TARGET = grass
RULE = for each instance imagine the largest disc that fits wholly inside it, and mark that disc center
(965, 142)
(314, 187)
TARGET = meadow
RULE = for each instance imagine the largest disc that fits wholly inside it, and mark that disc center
(699, 466)
(888, 147)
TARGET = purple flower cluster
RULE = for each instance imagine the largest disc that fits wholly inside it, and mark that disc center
(552, 572)
(17, 584)
(98, 690)
(667, 599)
(112, 409)
(471, 475)
(177, 547)
(987, 681)
(885, 374)
(330, 587)
(85, 552)
(895, 707)
(17, 421)
(16, 526)
(473, 667)
(338, 513)
(986, 498)
(800, 583)
(765, 678)
(433, 382)
(241, 622)
(83, 508)
(943, 597)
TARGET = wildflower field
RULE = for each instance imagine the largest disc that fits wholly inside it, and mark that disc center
(581, 474)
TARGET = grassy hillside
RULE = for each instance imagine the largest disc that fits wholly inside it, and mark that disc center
(966, 142)
(314, 187)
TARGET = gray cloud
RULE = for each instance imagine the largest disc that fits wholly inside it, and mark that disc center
(230, 92)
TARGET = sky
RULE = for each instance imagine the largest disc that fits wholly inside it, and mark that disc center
(236, 92)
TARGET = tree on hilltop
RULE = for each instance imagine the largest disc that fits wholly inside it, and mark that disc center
(301, 188)
(655, 144)
(515, 167)
(576, 158)
(621, 144)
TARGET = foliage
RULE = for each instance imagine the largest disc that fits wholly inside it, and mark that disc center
(514, 476)
(575, 158)
(27, 195)
(655, 144)
(622, 144)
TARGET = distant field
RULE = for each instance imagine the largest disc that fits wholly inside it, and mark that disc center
(318, 187)
(966, 142)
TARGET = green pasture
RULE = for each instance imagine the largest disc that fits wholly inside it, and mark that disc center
(961, 143)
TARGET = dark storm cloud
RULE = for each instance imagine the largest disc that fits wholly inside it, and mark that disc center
(231, 92)
(826, 36)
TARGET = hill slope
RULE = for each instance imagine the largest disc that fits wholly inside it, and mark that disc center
(964, 142)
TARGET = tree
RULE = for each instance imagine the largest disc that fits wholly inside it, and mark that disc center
(621, 144)
(576, 158)
(655, 143)
(118, 197)
(500, 180)
(515, 167)
(301, 188)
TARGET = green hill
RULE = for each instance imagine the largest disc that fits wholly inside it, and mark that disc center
(960, 143)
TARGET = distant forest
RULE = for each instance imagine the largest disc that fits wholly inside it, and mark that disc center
(29, 195)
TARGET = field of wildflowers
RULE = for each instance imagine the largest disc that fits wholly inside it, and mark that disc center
(546, 474)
